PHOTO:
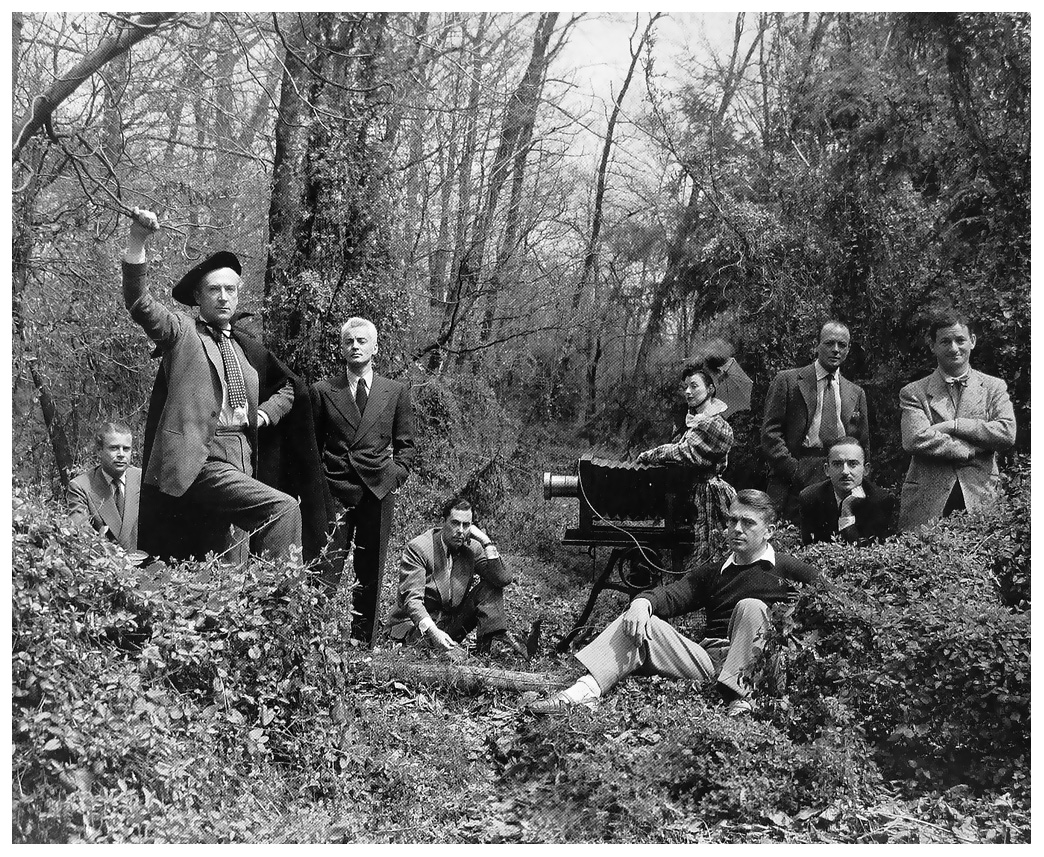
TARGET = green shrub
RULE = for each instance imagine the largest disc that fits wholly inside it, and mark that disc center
(164, 684)
(916, 646)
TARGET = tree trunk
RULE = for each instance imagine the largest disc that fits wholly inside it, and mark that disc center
(518, 123)
(676, 252)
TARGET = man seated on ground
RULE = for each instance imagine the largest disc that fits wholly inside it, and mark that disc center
(105, 498)
(439, 596)
(846, 505)
(736, 594)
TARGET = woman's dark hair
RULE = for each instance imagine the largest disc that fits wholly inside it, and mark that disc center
(694, 368)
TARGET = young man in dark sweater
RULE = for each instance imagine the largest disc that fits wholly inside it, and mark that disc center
(736, 594)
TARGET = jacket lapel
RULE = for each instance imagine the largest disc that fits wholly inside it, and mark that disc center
(442, 575)
(807, 385)
(341, 398)
(972, 402)
(375, 404)
(130, 505)
(210, 348)
(939, 397)
(106, 504)
(849, 400)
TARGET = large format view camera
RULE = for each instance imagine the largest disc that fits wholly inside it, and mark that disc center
(641, 512)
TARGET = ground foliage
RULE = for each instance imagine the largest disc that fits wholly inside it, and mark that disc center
(201, 703)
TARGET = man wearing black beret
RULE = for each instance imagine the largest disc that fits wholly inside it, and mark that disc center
(219, 391)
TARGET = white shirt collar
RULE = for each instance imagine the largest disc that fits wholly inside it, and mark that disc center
(821, 372)
(857, 492)
(112, 480)
(367, 376)
(768, 555)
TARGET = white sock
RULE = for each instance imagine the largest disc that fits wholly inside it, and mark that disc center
(585, 688)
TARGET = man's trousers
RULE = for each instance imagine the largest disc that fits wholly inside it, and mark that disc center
(369, 524)
(481, 610)
(226, 489)
(614, 654)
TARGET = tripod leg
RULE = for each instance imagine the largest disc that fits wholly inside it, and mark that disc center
(615, 557)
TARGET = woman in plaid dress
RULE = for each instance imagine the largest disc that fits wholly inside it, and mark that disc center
(704, 445)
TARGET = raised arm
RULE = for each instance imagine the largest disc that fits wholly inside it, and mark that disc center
(159, 323)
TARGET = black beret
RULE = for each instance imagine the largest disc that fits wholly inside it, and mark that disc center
(184, 291)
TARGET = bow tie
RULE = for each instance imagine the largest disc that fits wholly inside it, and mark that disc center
(958, 382)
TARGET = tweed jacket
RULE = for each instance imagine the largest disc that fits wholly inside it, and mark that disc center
(790, 405)
(192, 366)
(941, 431)
(425, 584)
(374, 449)
(819, 513)
(91, 505)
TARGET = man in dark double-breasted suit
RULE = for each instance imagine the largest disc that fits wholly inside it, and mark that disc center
(364, 430)
(807, 409)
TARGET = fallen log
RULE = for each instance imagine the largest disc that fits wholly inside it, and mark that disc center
(464, 676)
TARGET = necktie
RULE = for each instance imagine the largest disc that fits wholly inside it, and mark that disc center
(117, 495)
(828, 417)
(360, 395)
(233, 371)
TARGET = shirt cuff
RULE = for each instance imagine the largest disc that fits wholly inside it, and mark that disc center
(645, 601)
(491, 551)
(262, 418)
(847, 521)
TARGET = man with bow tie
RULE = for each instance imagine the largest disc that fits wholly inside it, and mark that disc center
(217, 388)
(954, 422)
(807, 409)
(451, 581)
(106, 498)
(364, 431)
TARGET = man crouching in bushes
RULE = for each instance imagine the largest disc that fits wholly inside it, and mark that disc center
(439, 598)
(736, 593)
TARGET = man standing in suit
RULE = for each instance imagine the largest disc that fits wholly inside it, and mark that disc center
(439, 599)
(806, 410)
(954, 422)
(364, 430)
(205, 413)
(106, 498)
(845, 505)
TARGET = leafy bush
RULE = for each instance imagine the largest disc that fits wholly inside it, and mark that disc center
(914, 645)
(165, 684)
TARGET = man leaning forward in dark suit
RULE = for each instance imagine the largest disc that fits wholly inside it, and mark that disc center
(846, 506)
(200, 442)
(451, 581)
(364, 428)
(736, 594)
(806, 409)
(106, 497)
